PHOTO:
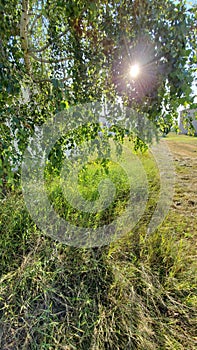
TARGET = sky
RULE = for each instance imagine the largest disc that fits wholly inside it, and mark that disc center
(194, 2)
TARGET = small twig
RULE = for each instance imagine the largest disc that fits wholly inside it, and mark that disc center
(34, 22)
(44, 80)
(43, 48)
(43, 60)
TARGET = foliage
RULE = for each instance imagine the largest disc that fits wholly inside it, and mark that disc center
(55, 54)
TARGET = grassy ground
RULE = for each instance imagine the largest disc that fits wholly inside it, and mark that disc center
(136, 293)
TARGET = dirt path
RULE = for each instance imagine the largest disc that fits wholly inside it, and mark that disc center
(184, 150)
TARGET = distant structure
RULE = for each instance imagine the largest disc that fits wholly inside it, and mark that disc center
(186, 118)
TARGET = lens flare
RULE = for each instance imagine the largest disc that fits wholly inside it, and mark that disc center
(134, 70)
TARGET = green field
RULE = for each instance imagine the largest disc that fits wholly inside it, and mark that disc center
(138, 292)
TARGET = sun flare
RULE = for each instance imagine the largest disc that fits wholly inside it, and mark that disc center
(134, 71)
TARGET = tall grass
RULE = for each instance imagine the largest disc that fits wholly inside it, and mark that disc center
(136, 293)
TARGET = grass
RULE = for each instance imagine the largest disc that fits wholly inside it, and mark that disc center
(182, 138)
(139, 292)
(88, 183)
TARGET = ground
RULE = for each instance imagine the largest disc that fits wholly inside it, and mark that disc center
(184, 149)
(138, 293)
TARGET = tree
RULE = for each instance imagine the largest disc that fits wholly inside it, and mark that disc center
(56, 54)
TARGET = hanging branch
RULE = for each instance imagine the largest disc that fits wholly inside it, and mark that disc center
(29, 53)
(37, 17)
(43, 48)
(48, 80)
(43, 60)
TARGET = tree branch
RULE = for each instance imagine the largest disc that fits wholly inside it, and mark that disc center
(43, 48)
(48, 80)
(30, 53)
(34, 22)
(43, 60)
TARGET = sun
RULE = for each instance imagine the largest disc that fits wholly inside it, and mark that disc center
(134, 70)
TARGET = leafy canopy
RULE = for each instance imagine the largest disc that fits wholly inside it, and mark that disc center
(55, 54)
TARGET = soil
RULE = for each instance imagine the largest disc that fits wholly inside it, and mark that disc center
(184, 150)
